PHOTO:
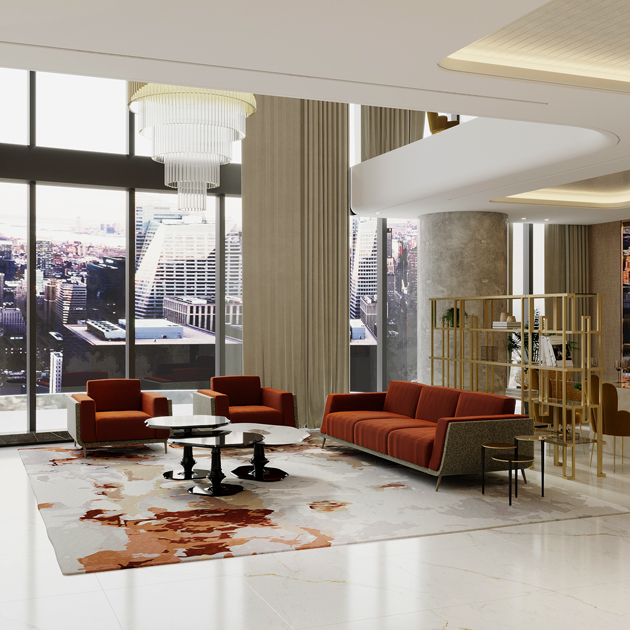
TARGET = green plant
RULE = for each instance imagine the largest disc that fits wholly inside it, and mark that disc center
(448, 317)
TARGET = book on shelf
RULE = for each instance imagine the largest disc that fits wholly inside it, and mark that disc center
(506, 325)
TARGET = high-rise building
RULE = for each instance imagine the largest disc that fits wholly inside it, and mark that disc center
(106, 289)
(179, 261)
(44, 257)
(56, 372)
(12, 322)
(7, 263)
(70, 303)
(234, 263)
(149, 215)
(363, 276)
(51, 288)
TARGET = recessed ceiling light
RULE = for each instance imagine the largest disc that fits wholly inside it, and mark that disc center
(546, 219)
(377, 213)
(523, 218)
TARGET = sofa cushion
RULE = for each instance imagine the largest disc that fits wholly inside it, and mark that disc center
(413, 445)
(478, 404)
(113, 426)
(437, 402)
(241, 390)
(373, 434)
(341, 424)
(255, 413)
(115, 394)
(402, 397)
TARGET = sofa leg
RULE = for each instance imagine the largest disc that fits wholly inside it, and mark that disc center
(524, 477)
(439, 481)
(324, 443)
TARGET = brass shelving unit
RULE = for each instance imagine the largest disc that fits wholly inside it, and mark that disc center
(457, 350)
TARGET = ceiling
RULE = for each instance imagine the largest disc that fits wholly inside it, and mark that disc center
(356, 52)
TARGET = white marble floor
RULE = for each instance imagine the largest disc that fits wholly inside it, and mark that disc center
(563, 574)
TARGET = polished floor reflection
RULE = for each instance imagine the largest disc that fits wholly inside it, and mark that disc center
(566, 573)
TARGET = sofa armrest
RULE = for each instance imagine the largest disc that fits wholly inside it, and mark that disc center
(443, 425)
(155, 404)
(207, 402)
(365, 401)
(84, 429)
(282, 401)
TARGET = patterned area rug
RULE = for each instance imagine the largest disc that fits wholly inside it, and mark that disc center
(114, 510)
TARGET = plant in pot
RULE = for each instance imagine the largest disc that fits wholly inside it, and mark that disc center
(450, 316)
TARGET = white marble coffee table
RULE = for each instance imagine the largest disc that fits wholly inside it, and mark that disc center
(273, 435)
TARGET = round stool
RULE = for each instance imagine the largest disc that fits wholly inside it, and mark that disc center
(499, 446)
(513, 460)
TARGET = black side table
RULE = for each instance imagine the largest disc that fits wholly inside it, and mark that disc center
(513, 460)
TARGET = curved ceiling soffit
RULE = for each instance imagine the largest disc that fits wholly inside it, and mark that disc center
(481, 151)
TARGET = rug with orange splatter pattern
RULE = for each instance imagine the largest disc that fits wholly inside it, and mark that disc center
(114, 509)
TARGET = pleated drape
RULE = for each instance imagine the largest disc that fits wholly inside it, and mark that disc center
(566, 267)
(295, 250)
(384, 129)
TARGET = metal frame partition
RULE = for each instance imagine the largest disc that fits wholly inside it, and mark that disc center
(32, 164)
(456, 347)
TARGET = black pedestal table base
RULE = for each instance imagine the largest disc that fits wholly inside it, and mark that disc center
(216, 476)
(257, 471)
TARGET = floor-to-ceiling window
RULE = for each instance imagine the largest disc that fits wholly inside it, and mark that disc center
(13, 215)
(76, 191)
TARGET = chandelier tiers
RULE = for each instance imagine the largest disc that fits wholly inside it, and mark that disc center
(192, 131)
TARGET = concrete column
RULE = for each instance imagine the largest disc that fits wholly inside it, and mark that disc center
(460, 254)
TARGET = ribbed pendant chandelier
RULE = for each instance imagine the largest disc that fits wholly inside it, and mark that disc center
(192, 131)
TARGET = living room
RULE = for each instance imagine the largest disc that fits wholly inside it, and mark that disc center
(421, 251)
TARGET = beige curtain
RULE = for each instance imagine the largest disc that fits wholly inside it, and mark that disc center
(295, 250)
(384, 129)
(566, 268)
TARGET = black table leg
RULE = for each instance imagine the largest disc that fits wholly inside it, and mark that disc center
(483, 470)
(515, 480)
(216, 476)
(510, 480)
(187, 463)
(257, 471)
(542, 467)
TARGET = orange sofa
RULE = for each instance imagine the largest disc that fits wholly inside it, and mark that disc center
(113, 413)
(437, 430)
(242, 399)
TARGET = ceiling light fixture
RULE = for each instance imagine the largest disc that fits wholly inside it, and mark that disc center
(523, 218)
(546, 219)
(192, 131)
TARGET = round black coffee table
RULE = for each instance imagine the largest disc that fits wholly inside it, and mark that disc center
(188, 426)
(274, 435)
(216, 476)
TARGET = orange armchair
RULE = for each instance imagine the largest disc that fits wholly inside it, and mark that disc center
(242, 399)
(113, 412)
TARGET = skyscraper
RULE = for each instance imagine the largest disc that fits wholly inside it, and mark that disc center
(106, 289)
(45, 257)
(364, 263)
(70, 303)
(179, 261)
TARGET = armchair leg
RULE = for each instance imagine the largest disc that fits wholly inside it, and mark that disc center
(84, 452)
(439, 481)
(324, 443)
(165, 448)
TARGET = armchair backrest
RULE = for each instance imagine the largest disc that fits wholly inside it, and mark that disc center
(240, 390)
(116, 394)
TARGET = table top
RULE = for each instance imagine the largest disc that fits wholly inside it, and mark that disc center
(537, 437)
(273, 434)
(186, 422)
(498, 445)
(228, 440)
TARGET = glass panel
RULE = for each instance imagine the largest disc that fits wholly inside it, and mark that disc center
(538, 262)
(233, 286)
(81, 258)
(402, 300)
(175, 294)
(81, 113)
(14, 106)
(363, 304)
(13, 213)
